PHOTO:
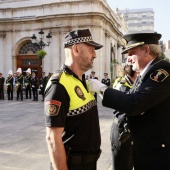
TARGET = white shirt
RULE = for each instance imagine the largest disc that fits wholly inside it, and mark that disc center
(146, 67)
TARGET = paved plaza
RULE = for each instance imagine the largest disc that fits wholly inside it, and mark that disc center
(22, 136)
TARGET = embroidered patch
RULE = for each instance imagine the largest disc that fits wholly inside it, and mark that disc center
(52, 107)
(159, 75)
(79, 92)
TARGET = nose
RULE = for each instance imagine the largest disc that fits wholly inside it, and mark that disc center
(129, 60)
(94, 53)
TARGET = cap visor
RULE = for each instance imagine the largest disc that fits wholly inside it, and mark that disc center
(128, 48)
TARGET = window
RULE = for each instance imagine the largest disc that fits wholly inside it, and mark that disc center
(28, 46)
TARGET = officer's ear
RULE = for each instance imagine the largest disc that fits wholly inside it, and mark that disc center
(147, 50)
(75, 50)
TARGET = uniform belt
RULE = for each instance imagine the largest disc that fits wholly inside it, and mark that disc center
(83, 158)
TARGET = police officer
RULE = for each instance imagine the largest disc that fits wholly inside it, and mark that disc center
(117, 80)
(73, 133)
(2, 80)
(106, 80)
(9, 84)
(27, 81)
(19, 83)
(120, 135)
(34, 85)
(147, 107)
(43, 83)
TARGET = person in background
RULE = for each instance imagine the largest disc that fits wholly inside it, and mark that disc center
(27, 82)
(116, 81)
(87, 77)
(2, 80)
(34, 85)
(106, 80)
(120, 136)
(19, 83)
(92, 76)
(72, 123)
(43, 83)
(49, 76)
(9, 84)
(14, 86)
(147, 106)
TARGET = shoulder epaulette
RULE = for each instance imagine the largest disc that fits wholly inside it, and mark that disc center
(55, 77)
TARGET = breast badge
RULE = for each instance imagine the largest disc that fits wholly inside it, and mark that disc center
(52, 107)
(159, 75)
(79, 92)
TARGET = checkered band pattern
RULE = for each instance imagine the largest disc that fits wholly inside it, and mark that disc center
(82, 109)
(78, 40)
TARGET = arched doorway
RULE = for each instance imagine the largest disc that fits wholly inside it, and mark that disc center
(27, 58)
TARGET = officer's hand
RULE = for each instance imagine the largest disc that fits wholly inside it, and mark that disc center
(95, 85)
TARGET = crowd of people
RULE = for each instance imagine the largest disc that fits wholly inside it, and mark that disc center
(24, 86)
(105, 80)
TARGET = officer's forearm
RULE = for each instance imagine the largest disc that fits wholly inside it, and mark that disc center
(56, 151)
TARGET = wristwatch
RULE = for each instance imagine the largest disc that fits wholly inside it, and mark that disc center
(102, 90)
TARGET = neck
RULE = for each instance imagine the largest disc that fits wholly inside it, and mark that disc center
(76, 69)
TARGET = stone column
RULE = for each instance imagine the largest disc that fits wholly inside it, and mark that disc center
(2, 38)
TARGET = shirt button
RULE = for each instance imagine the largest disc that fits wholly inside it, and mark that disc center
(163, 145)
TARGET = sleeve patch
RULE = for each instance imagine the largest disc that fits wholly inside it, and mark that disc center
(159, 75)
(52, 107)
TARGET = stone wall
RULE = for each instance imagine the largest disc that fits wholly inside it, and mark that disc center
(19, 20)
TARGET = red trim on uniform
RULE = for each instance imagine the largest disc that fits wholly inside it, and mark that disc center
(53, 102)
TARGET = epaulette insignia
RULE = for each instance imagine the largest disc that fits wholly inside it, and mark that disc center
(159, 75)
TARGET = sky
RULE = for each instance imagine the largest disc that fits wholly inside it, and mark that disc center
(161, 10)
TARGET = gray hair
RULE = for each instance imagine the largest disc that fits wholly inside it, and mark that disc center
(155, 49)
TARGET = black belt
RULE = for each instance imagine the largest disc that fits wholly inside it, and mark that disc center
(83, 158)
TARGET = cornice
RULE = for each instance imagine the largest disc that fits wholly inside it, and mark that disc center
(68, 16)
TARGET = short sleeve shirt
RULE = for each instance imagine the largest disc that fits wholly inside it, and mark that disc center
(81, 131)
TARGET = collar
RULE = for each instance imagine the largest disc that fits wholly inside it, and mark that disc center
(146, 67)
(68, 71)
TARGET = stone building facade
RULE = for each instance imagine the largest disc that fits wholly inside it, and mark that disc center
(20, 19)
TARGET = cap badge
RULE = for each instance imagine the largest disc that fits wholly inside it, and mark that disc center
(124, 41)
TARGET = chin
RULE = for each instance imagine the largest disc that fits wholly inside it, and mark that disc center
(135, 68)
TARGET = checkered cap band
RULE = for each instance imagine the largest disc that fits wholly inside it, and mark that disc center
(82, 109)
(78, 40)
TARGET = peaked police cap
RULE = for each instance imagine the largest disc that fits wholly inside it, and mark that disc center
(80, 36)
(137, 39)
